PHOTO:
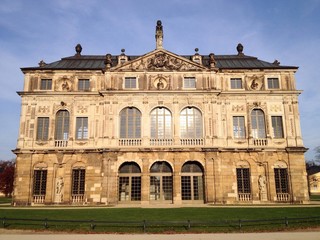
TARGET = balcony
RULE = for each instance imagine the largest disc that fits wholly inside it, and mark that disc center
(161, 142)
(283, 197)
(38, 199)
(191, 141)
(61, 143)
(130, 142)
(244, 197)
(260, 142)
(77, 198)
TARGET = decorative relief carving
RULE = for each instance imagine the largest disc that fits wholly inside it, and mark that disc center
(275, 108)
(43, 109)
(82, 109)
(161, 61)
(64, 84)
(237, 108)
(159, 82)
(255, 83)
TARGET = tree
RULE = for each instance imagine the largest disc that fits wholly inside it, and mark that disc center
(6, 177)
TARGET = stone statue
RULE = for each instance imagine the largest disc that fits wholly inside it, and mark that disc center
(59, 185)
(262, 187)
(159, 35)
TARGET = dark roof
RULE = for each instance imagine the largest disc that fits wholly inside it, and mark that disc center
(96, 62)
(313, 169)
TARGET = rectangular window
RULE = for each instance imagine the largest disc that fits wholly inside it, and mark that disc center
(236, 83)
(239, 130)
(78, 181)
(277, 127)
(130, 82)
(84, 85)
(42, 128)
(273, 83)
(46, 84)
(189, 82)
(243, 180)
(39, 182)
(281, 180)
(81, 128)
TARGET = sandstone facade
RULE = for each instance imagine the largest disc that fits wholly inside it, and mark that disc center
(160, 128)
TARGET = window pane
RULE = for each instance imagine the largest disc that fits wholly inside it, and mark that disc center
(239, 127)
(42, 128)
(190, 123)
(258, 124)
(130, 123)
(78, 181)
(82, 128)
(161, 123)
(130, 82)
(39, 182)
(189, 82)
(46, 84)
(281, 180)
(62, 125)
(84, 84)
(236, 83)
(243, 180)
(277, 127)
(273, 83)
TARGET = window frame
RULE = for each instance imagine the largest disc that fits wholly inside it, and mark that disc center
(241, 128)
(43, 128)
(191, 123)
(46, 84)
(232, 79)
(83, 84)
(186, 85)
(130, 130)
(158, 130)
(62, 129)
(277, 130)
(129, 86)
(258, 120)
(271, 84)
(83, 129)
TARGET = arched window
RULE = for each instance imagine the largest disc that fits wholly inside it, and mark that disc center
(258, 126)
(161, 126)
(190, 123)
(192, 186)
(62, 125)
(161, 186)
(129, 182)
(130, 123)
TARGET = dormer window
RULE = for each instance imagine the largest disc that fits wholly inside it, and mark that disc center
(84, 85)
(189, 82)
(130, 83)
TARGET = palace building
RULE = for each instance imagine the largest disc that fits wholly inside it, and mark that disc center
(160, 128)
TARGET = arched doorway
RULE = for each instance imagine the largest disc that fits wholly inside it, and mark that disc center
(129, 182)
(161, 182)
(192, 186)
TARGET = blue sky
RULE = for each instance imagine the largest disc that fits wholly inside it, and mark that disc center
(32, 30)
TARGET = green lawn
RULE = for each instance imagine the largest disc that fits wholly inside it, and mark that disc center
(160, 214)
(315, 197)
(5, 200)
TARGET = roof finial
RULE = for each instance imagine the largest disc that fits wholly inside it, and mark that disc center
(78, 49)
(159, 35)
(240, 49)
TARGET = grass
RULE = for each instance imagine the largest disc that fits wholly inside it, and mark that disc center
(160, 214)
(315, 197)
(5, 200)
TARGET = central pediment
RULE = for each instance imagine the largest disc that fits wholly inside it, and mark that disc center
(160, 60)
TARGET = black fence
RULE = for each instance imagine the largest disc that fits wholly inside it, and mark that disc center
(146, 224)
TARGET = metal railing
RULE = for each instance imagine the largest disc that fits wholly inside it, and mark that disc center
(146, 224)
